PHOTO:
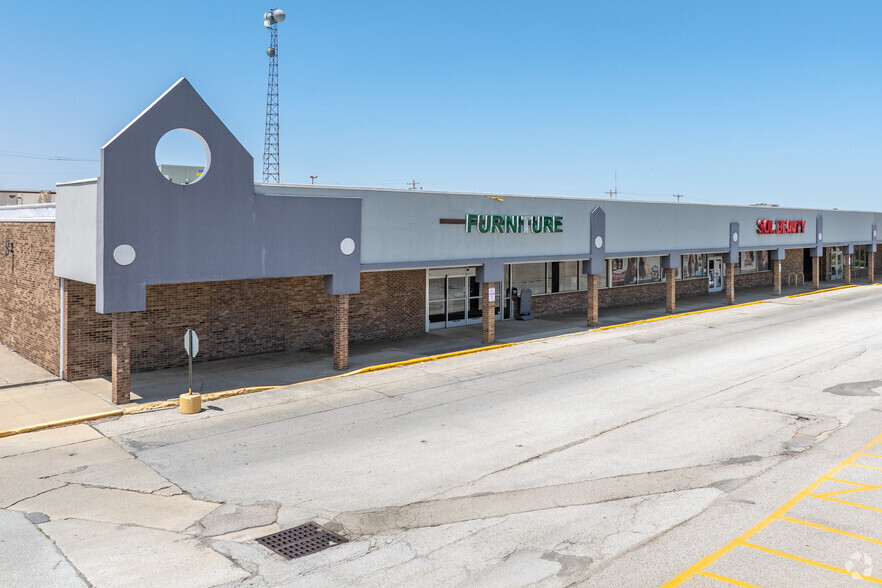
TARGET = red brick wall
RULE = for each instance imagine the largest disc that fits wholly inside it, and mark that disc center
(29, 293)
(753, 280)
(87, 334)
(567, 302)
(238, 318)
(391, 305)
(793, 263)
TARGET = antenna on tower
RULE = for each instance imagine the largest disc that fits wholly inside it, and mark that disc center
(271, 136)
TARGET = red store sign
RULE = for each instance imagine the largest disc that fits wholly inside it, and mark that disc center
(769, 227)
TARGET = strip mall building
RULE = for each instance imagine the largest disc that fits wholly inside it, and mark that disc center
(106, 280)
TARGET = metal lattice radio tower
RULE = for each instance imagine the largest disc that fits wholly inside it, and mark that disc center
(271, 135)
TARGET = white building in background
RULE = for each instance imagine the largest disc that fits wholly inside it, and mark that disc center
(13, 197)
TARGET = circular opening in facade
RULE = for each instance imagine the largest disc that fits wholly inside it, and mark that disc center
(182, 156)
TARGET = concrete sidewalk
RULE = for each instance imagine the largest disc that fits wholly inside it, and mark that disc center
(31, 396)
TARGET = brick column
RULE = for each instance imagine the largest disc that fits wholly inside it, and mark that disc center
(846, 272)
(816, 272)
(730, 283)
(871, 266)
(593, 302)
(121, 360)
(488, 314)
(670, 290)
(341, 331)
(776, 276)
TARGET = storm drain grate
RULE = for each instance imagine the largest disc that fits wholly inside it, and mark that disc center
(303, 540)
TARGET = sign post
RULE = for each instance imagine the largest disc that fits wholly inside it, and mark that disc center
(191, 403)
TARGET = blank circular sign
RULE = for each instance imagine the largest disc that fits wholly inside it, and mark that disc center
(124, 254)
(347, 246)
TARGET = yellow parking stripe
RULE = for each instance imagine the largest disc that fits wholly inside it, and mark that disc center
(708, 560)
(852, 491)
(841, 481)
(855, 504)
(804, 560)
(831, 530)
(727, 580)
(699, 566)
(869, 467)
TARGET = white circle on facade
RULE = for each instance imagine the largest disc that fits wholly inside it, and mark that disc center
(598, 241)
(347, 246)
(734, 237)
(124, 254)
(820, 236)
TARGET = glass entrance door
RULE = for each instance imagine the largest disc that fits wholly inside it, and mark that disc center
(454, 298)
(456, 301)
(836, 266)
(437, 303)
(715, 274)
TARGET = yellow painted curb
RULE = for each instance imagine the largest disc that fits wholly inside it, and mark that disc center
(828, 290)
(385, 366)
(670, 316)
(205, 397)
(61, 423)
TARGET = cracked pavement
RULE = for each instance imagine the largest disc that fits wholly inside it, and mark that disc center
(540, 464)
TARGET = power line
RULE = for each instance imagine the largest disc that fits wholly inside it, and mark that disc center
(23, 155)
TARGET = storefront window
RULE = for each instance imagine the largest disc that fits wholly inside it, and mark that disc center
(648, 269)
(528, 275)
(694, 266)
(753, 261)
(564, 276)
(763, 261)
(748, 262)
(860, 256)
(626, 271)
(559, 276)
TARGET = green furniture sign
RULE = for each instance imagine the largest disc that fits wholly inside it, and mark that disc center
(496, 223)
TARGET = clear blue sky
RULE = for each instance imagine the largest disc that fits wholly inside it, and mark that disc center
(725, 102)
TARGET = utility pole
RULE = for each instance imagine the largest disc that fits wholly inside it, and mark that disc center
(614, 191)
(413, 185)
(678, 196)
